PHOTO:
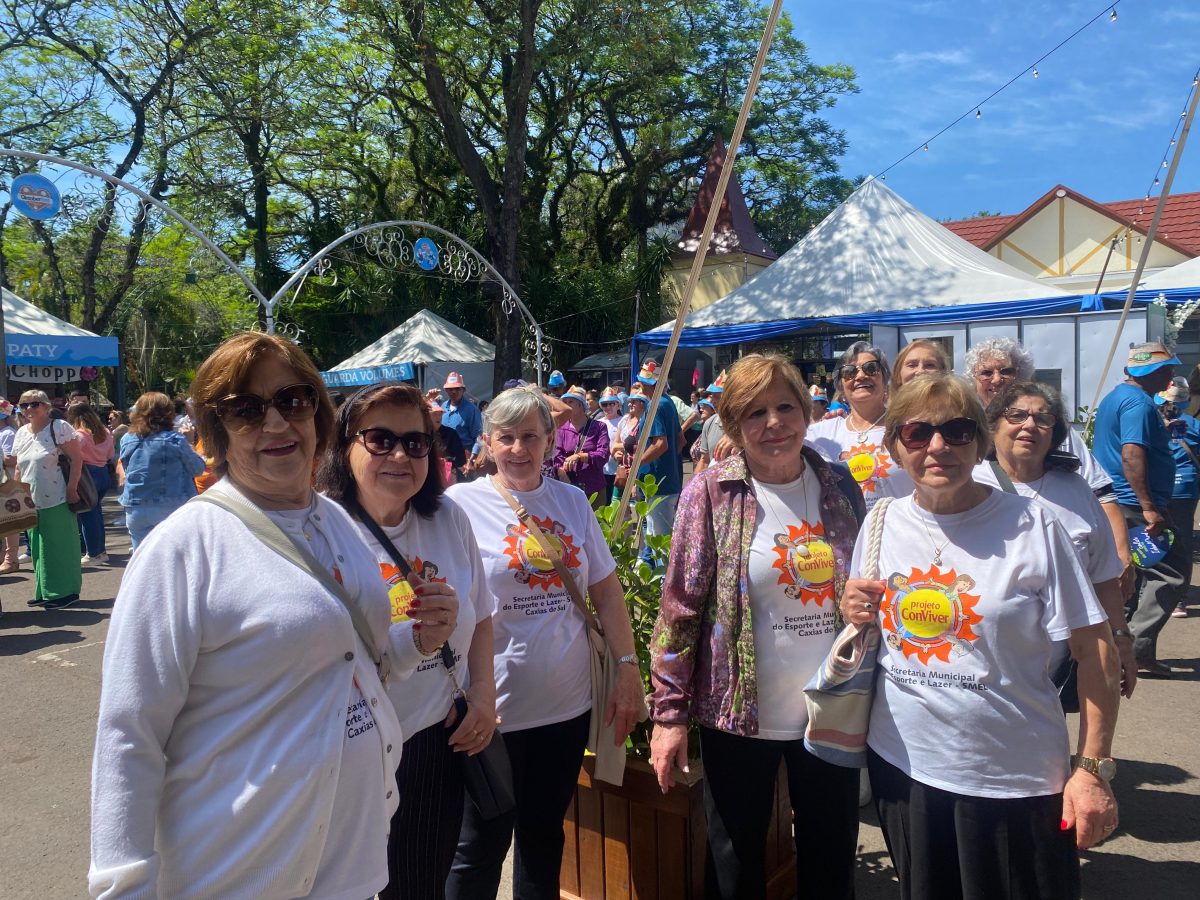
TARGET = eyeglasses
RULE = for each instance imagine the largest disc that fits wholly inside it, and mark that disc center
(1017, 416)
(987, 374)
(382, 442)
(32, 404)
(955, 432)
(241, 412)
(870, 369)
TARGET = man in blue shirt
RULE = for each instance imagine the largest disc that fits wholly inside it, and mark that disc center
(1132, 444)
(1185, 444)
(461, 414)
(662, 459)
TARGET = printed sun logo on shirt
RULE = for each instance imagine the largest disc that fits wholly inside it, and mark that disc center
(869, 464)
(805, 563)
(531, 564)
(928, 614)
(400, 592)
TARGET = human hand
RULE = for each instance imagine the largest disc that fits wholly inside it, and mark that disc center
(72, 494)
(434, 610)
(1155, 521)
(1128, 576)
(477, 727)
(668, 748)
(1089, 807)
(625, 709)
(1129, 667)
(725, 448)
(860, 600)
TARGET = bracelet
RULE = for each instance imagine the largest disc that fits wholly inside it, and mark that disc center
(1122, 632)
(421, 647)
(630, 660)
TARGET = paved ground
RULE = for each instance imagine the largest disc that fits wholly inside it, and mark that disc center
(50, 683)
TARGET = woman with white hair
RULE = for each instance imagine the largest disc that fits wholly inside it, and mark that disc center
(542, 667)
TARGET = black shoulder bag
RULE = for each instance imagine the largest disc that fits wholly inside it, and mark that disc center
(488, 774)
(86, 487)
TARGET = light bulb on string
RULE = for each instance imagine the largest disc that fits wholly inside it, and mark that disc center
(1113, 17)
(1035, 72)
(1156, 182)
(926, 148)
(1164, 165)
(979, 114)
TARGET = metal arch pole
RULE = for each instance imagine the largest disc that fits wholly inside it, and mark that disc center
(303, 271)
(159, 205)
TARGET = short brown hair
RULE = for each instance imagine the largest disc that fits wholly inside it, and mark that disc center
(919, 344)
(944, 394)
(749, 377)
(153, 412)
(226, 371)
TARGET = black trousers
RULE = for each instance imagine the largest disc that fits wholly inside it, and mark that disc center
(739, 790)
(426, 825)
(545, 762)
(948, 846)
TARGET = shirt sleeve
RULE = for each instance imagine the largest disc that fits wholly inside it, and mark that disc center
(1070, 600)
(1103, 562)
(1136, 425)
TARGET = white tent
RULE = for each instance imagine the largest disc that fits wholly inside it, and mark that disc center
(34, 338)
(1183, 276)
(426, 348)
(874, 252)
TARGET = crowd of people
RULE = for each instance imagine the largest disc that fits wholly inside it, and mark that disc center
(362, 596)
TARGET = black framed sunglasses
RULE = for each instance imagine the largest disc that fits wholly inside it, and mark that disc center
(955, 432)
(1008, 372)
(383, 442)
(32, 404)
(241, 412)
(871, 368)
(1016, 416)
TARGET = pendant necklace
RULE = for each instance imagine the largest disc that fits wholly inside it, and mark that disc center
(801, 550)
(937, 551)
(862, 435)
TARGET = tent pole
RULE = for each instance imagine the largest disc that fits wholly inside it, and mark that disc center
(3, 356)
(698, 262)
(1150, 233)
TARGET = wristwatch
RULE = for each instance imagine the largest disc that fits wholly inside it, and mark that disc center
(1105, 768)
(630, 660)
(1122, 632)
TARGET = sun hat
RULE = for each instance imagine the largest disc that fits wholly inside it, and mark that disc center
(649, 373)
(1147, 358)
(1176, 392)
(717, 386)
(609, 395)
(6, 408)
(515, 383)
(556, 379)
(454, 380)
(819, 393)
(708, 403)
(576, 393)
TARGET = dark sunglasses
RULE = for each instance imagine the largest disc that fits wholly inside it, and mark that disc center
(1006, 372)
(955, 432)
(241, 412)
(870, 369)
(1016, 416)
(382, 442)
(32, 404)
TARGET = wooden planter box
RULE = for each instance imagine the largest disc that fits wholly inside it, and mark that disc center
(633, 842)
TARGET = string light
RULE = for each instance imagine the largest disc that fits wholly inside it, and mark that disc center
(1035, 72)
(1165, 163)
(1113, 17)
(978, 114)
(926, 148)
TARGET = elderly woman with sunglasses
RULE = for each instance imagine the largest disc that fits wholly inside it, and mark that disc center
(967, 745)
(1027, 421)
(245, 745)
(857, 439)
(384, 466)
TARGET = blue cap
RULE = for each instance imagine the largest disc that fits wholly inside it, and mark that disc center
(557, 379)
(1146, 358)
(708, 403)
(837, 406)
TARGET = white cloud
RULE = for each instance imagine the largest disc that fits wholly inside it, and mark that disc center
(905, 59)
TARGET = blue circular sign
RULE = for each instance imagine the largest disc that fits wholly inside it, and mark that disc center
(35, 196)
(426, 253)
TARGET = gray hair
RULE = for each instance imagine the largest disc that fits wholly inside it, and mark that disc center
(848, 359)
(510, 407)
(34, 395)
(1000, 348)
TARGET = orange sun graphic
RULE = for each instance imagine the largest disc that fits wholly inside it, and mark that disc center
(532, 564)
(930, 614)
(811, 576)
(868, 464)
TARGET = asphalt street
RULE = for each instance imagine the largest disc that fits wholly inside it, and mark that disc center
(50, 665)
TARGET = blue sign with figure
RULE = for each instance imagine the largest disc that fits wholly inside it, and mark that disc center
(426, 253)
(35, 196)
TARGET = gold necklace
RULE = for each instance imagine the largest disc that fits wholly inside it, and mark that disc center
(862, 435)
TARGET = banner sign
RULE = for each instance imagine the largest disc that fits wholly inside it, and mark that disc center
(369, 375)
(61, 350)
(45, 374)
(35, 196)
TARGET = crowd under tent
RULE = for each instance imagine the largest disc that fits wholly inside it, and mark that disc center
(40, 348)
(425, 349)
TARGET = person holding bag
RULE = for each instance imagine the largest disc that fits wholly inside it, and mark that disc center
(54, 543)
(581, 449)
(96, 442)
(8, 434)
(384, 466)
(544, 653)
(759, 556)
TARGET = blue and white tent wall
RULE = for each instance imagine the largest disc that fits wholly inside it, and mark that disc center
(34, 337)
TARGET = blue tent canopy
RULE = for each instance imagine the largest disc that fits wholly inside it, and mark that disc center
(33, 337)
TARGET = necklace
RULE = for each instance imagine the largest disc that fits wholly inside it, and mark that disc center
(801, 550)
(862, 435)
(937, 551)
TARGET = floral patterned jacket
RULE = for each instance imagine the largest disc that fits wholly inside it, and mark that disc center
(702, 651)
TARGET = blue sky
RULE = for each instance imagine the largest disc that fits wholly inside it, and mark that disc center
(1098, 118)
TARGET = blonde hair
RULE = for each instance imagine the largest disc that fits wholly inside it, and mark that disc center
(749, 377)
(35, 396)
(923, 344)
(936, 395)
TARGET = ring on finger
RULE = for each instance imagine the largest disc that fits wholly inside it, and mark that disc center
(1111, 826)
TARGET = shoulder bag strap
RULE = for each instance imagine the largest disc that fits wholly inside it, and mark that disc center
(1002, 477)
(273, 536)
(875, 538)
(551, 551)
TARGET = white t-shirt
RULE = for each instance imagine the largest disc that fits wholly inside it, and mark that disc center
(614, 435)
(37, 460)
(1093, 473)
(543, 673)
(791, 601)
(440, 548)
(964, 701)
(353, 855)
(877, 473)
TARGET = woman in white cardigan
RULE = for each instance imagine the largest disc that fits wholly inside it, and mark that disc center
(245, 744)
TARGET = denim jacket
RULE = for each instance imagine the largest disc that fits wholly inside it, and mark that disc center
(159, 469)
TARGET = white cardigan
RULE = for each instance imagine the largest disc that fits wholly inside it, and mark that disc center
(223, 711)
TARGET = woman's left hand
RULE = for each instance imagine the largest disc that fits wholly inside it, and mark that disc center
(434, 609)
(625, 709)
(1090, 807)
(72, 494)
(475, 731)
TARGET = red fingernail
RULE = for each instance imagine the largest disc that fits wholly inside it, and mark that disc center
(417, 627)
(1063, 826)
(413, 603)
